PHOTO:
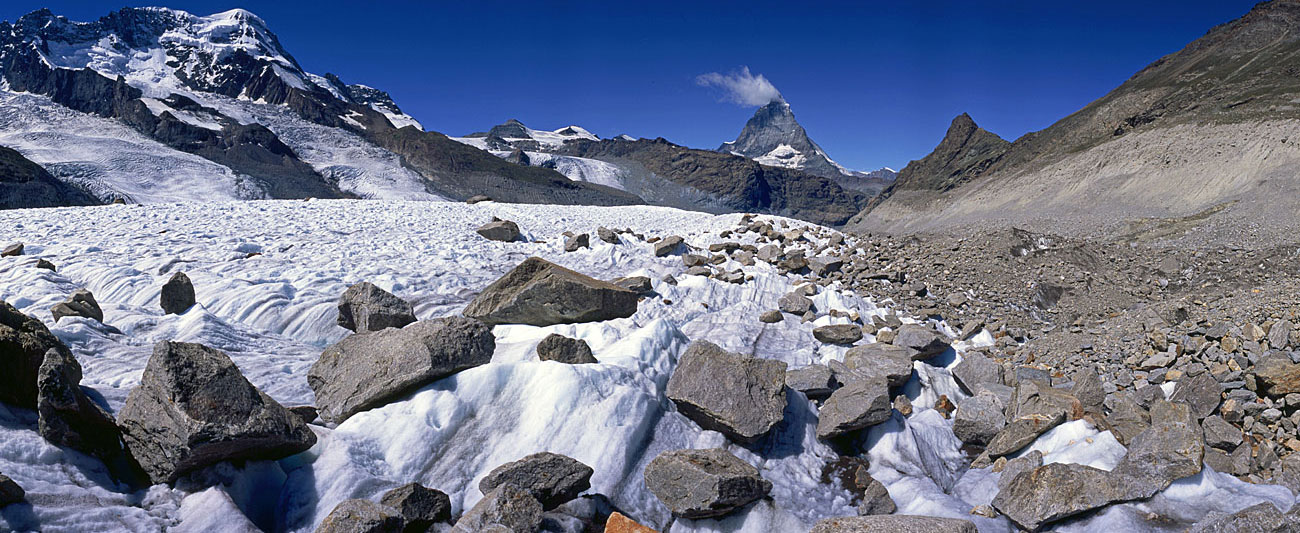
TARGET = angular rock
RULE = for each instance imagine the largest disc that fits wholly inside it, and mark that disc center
(875, 497)
(193, 409)
(1201, 392)
(605, 234)
(12, 250)
(67, 416)
(1014, 467)
(618, 523)
(704, 483)
(307, 413)
(81, 303)
(838, 333)
(892, 363)
(577, 242)
(478, 198)
(923, 342)
(1258, 518)
(1088, 390)
(504, 509)
(556, 347)
(858, 404)
(894, 524)
(1022, 431)
(361, 516)
(1038, 397)
(10, 492)
(551, 478)
(976, 369)
(1276, 376)
(794, 303)
(815, 381)
(668, 245)
(693, 260)
(541, 293)
(1127, 419)
(366, 307)
(1171, 449)
(978, 419)
(499, 230)
(177, 294)
(1279, 335)
(739, 396)
(822, 266)
(46, 265)
(770, 317)
(1052, 492)
(23, 343)
(419, 506)
(366, 370)
(1220, 434)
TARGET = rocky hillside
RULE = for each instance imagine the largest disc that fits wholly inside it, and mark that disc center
(1208, 130)
(25, 184)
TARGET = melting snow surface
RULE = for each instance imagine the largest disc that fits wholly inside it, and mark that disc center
(268, 274)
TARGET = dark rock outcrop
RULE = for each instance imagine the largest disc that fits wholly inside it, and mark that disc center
(23, 343)
(420, 506)
(25, 184)
(177, 295)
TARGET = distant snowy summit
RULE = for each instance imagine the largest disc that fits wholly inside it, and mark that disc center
(773, 137)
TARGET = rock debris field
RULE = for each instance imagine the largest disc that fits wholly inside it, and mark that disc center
(350, 366)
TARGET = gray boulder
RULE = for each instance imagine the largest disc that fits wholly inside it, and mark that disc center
(1127, 419)
(815, 381)
(45, 265)
(499, 230)
(978, 419)
(1220, 434)
(1014, 467)
(891, 363)
(1052, 492)
(577, 242)
(976, 369)
(858, 404)
(923, 341)
(838, 333)
(1172, 448)
(177, 294)
(668, 245)
(794, 303)
(67, 416)
(81, 303)
(1200, 392)
(193, 409)
(1259, 518)
(556, 347)
(739, 396)
(541, 293)
(875, 497)
(506, 509)
(551, 478)
(1277, 376)
(23, 343)
(637, 284)
(1088, 390)
(771, 316)
(894, 524)
(605, 234)
(10, 492)
(1021, 431)
(704, 483)
(361, 516)
(1279, 335)
(367, 370)
(366, 307)
(12, 250)
(419, 506)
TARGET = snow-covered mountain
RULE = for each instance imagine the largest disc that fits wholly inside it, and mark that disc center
(156, 104)
(773, 137)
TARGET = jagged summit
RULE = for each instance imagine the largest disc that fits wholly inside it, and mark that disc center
(773, 137)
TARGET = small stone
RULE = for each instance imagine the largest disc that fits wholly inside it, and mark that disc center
(1200, 392)
(477, 198)
(706, 483)
(944, 406)
(420, 506)
(838, 333)
(668, 246)
(770, 317)
(618, 523)
(605, 234)
(1220, 434)
(875, 497)
(46, 265)
(12, 250)
(556, 347)
(499, 230)
(177, 294)
(693, 260)
(361, 516)
(903, 405)
(1279, 335)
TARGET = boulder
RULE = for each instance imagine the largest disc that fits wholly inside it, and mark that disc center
(419, 506)
(1220, 434)
(366, 307)
(637, 284)
(704, 483)
(739, 396)
(891, 363)
(504, 509)
(361, 516)
(894, 524)
(1279, 335)
(541, 293)
(668, 245)
(10, 492)
(1088, 390)
(23, 343)
(923, 341)
(978, 419)
(858, 404)
(1127, 419)
(1021, 431)
(875, 497)
(499, 230)
(1054, 491)
(193, 409)
(477, 198)
(838, 333)
(1034, 396)
(605, 234)
(771, 317)
(551, 478)
(307, 413)
(1172, 448)
(693, 260)
(815, 381)
(1014, 467)
(12, 250)
(822, 266)
(1276, 376)
(794, 303)
(556, 347)
(367, 370)
(577, 242)
(1200, 392)
(81, 303)
(618, 523)
(976, 369)
(1258, 518)
(177, 294)
(45, 265)
(67, 416)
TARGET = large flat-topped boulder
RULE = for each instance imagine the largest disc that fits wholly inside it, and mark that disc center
(541, 293)
(739, 396)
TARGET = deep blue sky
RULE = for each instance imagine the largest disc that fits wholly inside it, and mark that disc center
(875, 83)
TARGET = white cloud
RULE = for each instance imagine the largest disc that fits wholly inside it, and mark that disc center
(741, 87)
